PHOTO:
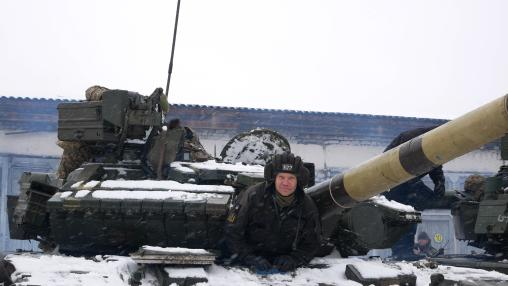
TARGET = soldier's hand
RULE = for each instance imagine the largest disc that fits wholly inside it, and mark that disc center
(439, 189)
(285, 263)
(258, 262)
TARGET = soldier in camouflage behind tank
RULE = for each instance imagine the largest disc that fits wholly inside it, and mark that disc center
(76, 153)
(474, 187)
(274, 225)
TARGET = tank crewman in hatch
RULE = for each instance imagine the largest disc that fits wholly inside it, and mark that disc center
(274, 225)
(423, 246)
(474, 188)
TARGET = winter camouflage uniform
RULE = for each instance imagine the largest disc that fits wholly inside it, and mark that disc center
(259, 229)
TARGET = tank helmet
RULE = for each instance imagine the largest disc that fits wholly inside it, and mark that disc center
(423, 236)
(287, 162)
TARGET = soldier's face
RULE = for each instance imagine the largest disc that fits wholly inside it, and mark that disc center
(285, 183)
(423, 242)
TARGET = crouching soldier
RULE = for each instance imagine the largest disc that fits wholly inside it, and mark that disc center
(274, 225)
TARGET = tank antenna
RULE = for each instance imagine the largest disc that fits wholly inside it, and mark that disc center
(170, 69)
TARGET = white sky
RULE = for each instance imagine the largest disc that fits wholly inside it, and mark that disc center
(429, 58)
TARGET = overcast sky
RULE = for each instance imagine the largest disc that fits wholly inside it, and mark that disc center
(432, 58)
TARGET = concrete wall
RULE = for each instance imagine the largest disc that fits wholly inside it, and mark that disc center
(11, 168)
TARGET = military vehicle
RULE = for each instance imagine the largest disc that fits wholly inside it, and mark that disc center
(111, 204)
(416, 157)
(484, 222)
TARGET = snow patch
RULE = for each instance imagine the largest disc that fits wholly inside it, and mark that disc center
(196, 272)
(178, 166)
(376, 270)
(176, 250)
(152, 195)
(91, 184)
(213, 165)
(166, 185)
(382, 200)
(81, 194)
(54, 270)
(253, 148)
(135, 141)
(77, 185)
(65, 194)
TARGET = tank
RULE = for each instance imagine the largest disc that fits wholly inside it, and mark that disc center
(484, 223)
(119, 199)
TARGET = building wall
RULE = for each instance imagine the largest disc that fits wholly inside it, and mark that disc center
(11, 168)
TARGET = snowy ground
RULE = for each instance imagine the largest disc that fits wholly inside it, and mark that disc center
(114, 270)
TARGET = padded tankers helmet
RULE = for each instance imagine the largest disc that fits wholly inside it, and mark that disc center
(287, 163)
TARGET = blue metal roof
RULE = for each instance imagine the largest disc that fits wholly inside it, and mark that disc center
(307, 127)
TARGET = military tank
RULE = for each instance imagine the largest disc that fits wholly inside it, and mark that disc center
(483, 220)
(120, 197)
(113, 202)
(347, 190)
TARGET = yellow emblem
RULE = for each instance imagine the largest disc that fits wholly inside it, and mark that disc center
(438, 237)
(232, 218)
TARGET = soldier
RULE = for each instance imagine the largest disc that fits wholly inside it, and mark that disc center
(94, 93)
(76, 153)
(176, 143)
(423, 246)
(191, 144)
(474, 187)
(414, 192)
(274, 225)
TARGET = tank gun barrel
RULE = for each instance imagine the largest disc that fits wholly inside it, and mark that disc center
(413, 158)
